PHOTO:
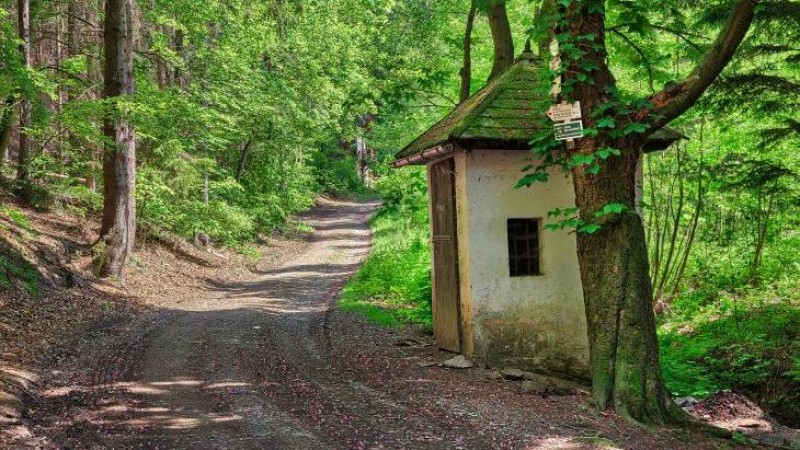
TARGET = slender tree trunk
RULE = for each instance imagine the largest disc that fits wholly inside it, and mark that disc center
(178, 74)
(243, 160)
(466, 68)
(698, 210)
(501, 36)
(761, 233)
(675, 227)
(119, 165)
(23, 152)
(94, 73)
(62, 51)
(6, 125)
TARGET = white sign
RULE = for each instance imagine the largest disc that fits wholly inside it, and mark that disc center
(564, 112)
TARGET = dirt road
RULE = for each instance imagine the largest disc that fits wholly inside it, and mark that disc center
(250, 366)
(271, 364)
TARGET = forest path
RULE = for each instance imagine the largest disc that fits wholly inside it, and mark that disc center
(267, 361)
(250, 366)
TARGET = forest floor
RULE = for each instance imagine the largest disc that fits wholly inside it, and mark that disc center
(225, 356)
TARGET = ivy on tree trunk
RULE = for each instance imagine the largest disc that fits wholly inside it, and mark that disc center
(612, 250)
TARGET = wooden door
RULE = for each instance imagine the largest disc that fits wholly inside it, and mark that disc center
(446, 314)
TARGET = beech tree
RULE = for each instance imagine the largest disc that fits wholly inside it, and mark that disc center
(612, 249)
(501, 36)
(118, 230)
(24, 16)
(466, 69)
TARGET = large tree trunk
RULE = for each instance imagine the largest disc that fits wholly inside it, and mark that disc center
(119, 162)
(23, 152)
(466, 68)
(618, 293)
(501, 36)
(617, 288)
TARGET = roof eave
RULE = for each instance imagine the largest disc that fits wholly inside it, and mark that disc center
(426, 156)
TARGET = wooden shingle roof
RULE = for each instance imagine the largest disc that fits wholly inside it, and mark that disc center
(505, 114)
(503, 111)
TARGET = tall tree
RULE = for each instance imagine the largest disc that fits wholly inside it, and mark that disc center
(501, 36)
(119, 160)
(6, 122)
(612, 251)
(466, 68)
(23, 151)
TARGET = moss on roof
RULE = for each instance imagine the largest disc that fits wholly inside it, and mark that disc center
(509, 108)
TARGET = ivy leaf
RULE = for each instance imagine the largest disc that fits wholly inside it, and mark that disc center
(531, 178)
(580, 159)
(606, 152)
(606, 122)
(635, 127)
(611, 208)
(589, 228)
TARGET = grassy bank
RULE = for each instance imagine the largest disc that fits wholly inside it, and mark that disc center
(747, 341)
(711, 339)
(393, 286)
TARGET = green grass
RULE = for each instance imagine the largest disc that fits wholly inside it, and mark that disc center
(22, 271)
(749, 343)
(393, 286)
(17, 217)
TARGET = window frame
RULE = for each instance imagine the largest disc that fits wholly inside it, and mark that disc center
(528, 261)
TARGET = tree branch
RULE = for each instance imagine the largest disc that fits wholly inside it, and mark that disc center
(677, 98)
(466, 69)
(641, 54)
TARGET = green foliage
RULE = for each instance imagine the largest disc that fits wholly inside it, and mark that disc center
(748, 342)
(394, 285)
(405, 194)
(337, 172)
(16, 216)
(19, 269)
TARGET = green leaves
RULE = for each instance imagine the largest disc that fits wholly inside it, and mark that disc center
(529, 179)
(580, 159)
(635, 127)
(607, 152)
(612, 208)
(606, 122)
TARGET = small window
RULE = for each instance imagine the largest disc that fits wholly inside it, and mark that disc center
(523, 247)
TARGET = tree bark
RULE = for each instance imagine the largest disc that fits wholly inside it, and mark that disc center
(6, 125)
(466, 68)
(243, 160)
(23, 152)
(618, 290)
(501, 36)
(119, 162)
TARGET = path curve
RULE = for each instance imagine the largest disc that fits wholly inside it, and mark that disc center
(249, 367)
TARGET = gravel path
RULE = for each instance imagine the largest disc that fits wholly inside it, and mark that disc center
(270, 363)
